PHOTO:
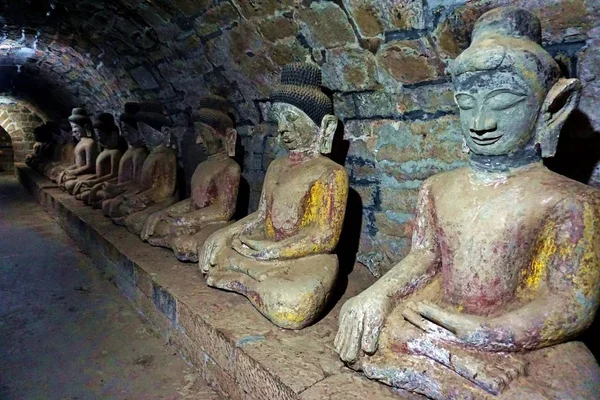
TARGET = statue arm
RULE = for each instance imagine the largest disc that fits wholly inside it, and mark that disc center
(181, 208)
(224, 204)
(563, 278)
(323, 219)
(567, 259)
(114, 172)
(164, 182)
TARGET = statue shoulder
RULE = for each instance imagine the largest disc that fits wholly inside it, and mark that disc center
(445, 178)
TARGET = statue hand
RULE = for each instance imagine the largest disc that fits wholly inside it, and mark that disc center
(150, 224)
(360, 323)
(212, 247)
(464, 328)
(258, 249)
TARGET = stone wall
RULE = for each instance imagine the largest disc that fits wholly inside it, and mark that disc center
(18, 118)
(384, 61)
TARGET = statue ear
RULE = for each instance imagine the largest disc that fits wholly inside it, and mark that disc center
(328, 127)
(168, 137)
(560, 101)
(230, 141)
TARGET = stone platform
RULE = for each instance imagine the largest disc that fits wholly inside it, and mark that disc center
(236, 349)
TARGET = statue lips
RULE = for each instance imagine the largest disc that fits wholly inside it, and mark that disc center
(485, 141)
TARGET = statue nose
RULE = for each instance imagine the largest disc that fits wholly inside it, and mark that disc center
(482, 124)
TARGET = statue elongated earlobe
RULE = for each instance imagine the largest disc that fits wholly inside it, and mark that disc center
(328, 127)
(230, 141)
(560, 102)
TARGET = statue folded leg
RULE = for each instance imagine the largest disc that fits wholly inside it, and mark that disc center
(184, 241)
(135, 221)
(290, 293)
(410, 359)
(185, 247)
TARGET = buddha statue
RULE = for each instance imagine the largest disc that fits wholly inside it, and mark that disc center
(107, 162)
(280, 257)
(214, 186)
(42, 148)
(85, 151)
(158, 183)
(62, 151)
(503, 271)
(130, 165)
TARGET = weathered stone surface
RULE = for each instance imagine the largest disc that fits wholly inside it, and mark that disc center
(373, 19)
(588, 67)
(408, 62)
(325, 25)
(278, 27)
(343, 106)
(349, 69)
(374, 104)
(144, 78)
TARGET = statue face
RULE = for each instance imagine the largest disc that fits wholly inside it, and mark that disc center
(130, 134)
(498, 110)
(209, 137)
(78, 131)
(107, 138)
(296, 130)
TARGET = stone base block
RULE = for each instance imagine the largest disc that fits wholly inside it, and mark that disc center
(235, 348)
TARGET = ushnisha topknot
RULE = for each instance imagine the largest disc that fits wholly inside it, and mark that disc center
(80, 116)
(213, 112)
(301, 87)
(508, 38)
(104, 121)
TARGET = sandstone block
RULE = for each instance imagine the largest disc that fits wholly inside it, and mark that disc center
(325, 25)
(349, 69)
(408, 62)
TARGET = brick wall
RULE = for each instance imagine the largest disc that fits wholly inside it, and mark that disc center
(18, 118)
(384, 61)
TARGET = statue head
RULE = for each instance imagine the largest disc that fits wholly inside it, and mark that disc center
(63, 134)
(106, 130)
(214, 127)
(43, 133)
(508, 89)
(303, 112)
(129, 129)
(154, 128)
(81, 124)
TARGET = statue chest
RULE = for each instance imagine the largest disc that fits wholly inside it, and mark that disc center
(487, 238)
(80, 152)
(203, 185)
(126, 167)
(290, 198)
(104, 162)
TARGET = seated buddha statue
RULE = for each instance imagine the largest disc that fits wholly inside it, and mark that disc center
(280, 257)
(85, 151)
(504, 268)
(42, 148)
(130, 165)
(214, 186)
(157, 188)
(107, 162)
(63, 146)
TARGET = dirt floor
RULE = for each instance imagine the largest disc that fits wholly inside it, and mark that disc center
(65, 332)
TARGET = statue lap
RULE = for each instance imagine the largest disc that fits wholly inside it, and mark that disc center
(290, 293)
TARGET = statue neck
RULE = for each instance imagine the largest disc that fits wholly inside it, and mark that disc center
(221, 155)
(296, 156)
(530, 154)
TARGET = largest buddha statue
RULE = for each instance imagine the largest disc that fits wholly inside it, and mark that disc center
(279, 257)
(504, 269)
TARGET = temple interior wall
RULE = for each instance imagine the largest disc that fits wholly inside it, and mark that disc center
(384, 61)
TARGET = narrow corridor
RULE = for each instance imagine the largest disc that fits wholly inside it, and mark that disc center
(65, 332)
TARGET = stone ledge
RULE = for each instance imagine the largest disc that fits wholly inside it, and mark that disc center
(236, 349)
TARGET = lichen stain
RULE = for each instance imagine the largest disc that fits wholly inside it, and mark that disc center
(545, 251)
(588, 275)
